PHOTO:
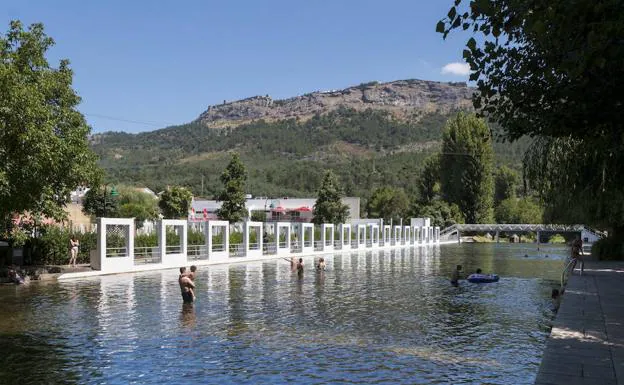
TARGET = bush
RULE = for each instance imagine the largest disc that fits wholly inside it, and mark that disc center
(557, 238)
(608, 249)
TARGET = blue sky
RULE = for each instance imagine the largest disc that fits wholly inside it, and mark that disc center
(150, 64)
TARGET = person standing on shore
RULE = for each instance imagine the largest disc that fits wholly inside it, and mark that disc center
(74, 244)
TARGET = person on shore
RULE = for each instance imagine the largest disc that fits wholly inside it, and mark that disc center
(74, 244)
(15, 277)
(455, 276)
(478, 271)
(576, 253)
(555, 295)
(186, 286)
(321, 265)
(300, 268)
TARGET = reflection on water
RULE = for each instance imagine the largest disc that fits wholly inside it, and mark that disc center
(377, 317)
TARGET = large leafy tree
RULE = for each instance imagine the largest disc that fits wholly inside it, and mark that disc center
(233, 178)
(429, 179)
(466, 167)
(388, 203)
(43, 138)
(553, 70)
(175, 202)
(101, 202)
(138, 205)
(505, 183)
(329, 207)
(441, 213)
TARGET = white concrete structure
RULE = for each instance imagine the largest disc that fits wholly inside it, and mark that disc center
(124, 257)
(253, 249)
(407, 235)
(219, 252)
(282, 247)
(360, 236)
(306, 237)
(345, 236)
(173, 255)
(396, 240)
(387, 235)
(327, 236)
(373, 231)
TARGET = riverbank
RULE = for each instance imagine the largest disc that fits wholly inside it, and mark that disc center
(586, 344)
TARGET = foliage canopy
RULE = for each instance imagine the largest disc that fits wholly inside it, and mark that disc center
(43, 138)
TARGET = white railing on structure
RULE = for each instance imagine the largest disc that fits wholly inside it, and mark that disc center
(279, 241)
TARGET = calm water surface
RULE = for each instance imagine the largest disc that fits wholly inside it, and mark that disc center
(377, 317)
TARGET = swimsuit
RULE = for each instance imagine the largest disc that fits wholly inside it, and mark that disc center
(187, 297)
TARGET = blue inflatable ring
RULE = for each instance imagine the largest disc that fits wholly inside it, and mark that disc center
(482, 278)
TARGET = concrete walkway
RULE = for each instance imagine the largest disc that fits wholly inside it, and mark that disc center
(586, 344)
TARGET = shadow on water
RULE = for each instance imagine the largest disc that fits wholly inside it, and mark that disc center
(32, 359)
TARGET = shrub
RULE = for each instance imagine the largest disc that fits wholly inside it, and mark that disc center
(608, 249)
(557, 238)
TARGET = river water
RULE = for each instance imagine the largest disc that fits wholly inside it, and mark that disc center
(386, 317)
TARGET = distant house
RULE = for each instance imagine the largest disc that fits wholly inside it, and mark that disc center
(275, 209)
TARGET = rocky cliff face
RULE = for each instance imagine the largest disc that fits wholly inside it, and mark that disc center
(403, 98)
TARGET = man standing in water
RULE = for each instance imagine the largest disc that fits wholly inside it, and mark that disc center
(300, 268)
(455, 276)
(186, 286)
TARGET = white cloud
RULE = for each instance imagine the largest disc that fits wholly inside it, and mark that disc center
(457, 69)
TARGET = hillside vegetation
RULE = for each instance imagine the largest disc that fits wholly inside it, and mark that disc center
(365, 148)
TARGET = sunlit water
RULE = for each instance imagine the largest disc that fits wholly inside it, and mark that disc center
(382, 318)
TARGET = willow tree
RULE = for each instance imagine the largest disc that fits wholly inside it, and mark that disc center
(466, 167)
(44, 143)
(553, 70)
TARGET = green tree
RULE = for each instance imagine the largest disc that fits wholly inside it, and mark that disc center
(519, 210)
(429, 180)
(175, 202)
(553, 70)
(329, 207)
(466, 167)
(388, 203)
(441, 213)
(505, 184)
(43, 138)
(138, 205)
(233, 178)
(100, 202)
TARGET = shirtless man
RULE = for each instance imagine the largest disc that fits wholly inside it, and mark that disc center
(186, 286)
(300, 268)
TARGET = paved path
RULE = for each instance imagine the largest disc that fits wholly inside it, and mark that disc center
(586, 344)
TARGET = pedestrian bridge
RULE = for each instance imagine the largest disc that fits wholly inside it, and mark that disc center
(588, 235)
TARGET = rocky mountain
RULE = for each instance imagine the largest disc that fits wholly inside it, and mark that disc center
(402, 98)
(371, 135)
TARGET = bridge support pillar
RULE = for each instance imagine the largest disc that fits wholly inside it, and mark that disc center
(538, 239)
(497, 235)
(458, 236)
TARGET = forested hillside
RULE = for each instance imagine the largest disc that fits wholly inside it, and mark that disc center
(366, 149)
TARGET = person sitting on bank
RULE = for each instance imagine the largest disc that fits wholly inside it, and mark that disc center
(186, 286)
(455, 276)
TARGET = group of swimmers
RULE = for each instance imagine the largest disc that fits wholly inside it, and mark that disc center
(297, 265)
(187, 284)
